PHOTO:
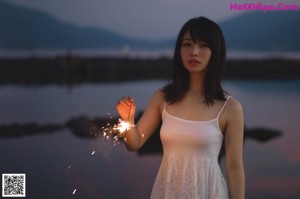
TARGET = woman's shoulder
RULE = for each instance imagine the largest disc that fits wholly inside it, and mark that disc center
(158, 95)
(233, 102)
(233, 107)
(158, 98)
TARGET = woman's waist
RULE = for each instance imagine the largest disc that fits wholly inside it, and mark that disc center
(187, 153)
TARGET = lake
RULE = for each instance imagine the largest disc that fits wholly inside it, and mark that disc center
(57, 161)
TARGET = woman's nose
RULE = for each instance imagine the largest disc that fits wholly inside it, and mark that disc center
(195, 51)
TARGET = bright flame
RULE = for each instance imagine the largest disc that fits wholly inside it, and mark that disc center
(123, 126)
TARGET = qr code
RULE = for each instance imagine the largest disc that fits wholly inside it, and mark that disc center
(13, 185)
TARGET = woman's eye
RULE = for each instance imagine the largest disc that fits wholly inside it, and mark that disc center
(186, 44)
(203, 45)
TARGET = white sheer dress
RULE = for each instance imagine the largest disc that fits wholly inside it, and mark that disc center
(189, 168)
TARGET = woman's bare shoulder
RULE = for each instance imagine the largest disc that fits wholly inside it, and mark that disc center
(234, 107)
(158, 96)
(234, 103)
(158, 99)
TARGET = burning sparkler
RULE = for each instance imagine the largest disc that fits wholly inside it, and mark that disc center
(114, 132)
(124, 126)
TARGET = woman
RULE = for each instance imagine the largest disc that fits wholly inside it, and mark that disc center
(197, 114)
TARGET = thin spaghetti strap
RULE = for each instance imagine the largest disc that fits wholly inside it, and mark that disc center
(164, 106)
(223, 106)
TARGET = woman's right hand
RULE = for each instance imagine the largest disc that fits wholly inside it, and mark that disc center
(126, 108)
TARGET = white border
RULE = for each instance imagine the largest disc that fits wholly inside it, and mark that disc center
(20, 174)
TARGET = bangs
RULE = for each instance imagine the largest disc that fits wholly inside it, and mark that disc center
(201, 32)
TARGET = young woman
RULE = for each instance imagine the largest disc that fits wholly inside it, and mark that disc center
(197, 115)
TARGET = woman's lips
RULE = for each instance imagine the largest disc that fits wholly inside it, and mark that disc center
(194, 61)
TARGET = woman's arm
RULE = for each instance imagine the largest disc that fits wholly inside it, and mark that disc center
(234, 136)
(136, 137)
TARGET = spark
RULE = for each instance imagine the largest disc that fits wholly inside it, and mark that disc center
(109, 115)
(123, 126)
(74, 191)
(93, 152)
(115, 132)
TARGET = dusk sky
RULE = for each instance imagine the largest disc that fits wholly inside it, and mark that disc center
(145, 19)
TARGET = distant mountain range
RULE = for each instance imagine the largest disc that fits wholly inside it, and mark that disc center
(23, 28)
(264, 31)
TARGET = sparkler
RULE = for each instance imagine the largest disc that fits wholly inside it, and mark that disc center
(124, 126)
(115, 132)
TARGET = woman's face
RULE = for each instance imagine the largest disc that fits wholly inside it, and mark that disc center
(195, 55)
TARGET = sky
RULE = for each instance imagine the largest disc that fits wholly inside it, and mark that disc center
(143, 19)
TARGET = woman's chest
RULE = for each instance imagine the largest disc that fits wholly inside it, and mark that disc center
(194, 110)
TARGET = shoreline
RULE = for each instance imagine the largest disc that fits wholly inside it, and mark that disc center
(72, 70)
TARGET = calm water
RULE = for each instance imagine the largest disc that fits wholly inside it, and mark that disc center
(58, 162)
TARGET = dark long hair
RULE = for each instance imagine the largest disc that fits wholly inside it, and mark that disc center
(208, 31)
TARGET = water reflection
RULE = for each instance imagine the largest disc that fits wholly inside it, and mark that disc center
(65, 122)
(84, 127)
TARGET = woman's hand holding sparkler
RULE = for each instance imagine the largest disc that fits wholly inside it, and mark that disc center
(126, 109)
(136, 134)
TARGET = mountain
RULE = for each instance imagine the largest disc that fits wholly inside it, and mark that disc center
(263, 31)
(23, 28)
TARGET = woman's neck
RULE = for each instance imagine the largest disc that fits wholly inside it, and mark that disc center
(196, 83)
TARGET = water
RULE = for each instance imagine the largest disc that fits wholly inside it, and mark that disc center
(57, 161)
(125, 52)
